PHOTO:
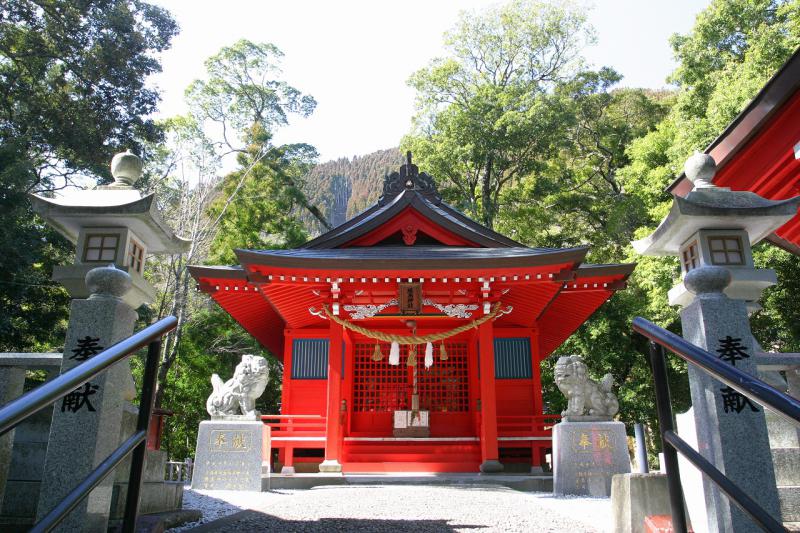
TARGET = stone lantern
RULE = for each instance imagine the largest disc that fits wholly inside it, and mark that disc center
(712, 231)
(110, 224)
(714, 226)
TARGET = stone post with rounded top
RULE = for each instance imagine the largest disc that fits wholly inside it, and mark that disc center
(711, 231)
(86, 423)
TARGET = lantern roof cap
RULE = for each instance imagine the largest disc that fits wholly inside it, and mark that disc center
(716, 208)
(117, 205)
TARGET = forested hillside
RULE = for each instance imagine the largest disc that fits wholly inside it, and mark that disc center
(345, 187)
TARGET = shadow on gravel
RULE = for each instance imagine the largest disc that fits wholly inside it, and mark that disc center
(258, 521)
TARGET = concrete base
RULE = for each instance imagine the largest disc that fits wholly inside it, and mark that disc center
(287, 471)
(330, 466)
(586, 455)
(491, 466)
(635, 497)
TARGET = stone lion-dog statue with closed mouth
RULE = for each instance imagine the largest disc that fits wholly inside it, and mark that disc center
(586, 398)
(241, 391)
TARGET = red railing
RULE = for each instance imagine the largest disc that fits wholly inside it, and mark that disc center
(295, 425)
(526, 425)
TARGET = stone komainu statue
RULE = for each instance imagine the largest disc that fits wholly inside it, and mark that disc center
(241, 391)
(586, 397)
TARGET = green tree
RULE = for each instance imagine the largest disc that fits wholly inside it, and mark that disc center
(72, 92)
(256, 206)
(483, 118)
(732, 51)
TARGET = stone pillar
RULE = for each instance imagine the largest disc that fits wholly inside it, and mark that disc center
(86, 423)
(731, 430)
(333, 427)
(489, 452)
(12, 379)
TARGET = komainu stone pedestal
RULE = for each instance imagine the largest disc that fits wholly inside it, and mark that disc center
(586, 455)
(228, 455)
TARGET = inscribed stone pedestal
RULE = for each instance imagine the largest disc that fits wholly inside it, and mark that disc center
(731, 430)
(228, 455)
(86, 423)
(586, 455)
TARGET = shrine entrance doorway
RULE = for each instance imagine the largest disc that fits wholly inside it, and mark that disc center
(444, 389)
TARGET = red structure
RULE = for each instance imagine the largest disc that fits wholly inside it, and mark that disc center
(409, 267)
(760, 150)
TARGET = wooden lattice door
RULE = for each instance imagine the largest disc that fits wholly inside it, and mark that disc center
(381, 387)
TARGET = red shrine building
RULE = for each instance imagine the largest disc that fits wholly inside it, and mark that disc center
(411, 336)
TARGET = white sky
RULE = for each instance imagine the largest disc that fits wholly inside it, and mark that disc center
(354, 56)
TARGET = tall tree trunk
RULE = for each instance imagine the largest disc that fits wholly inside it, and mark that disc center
(486, 192)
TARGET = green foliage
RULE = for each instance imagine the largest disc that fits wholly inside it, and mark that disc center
(483, 113)
(242, 91)
(256, 208)
(72, 92)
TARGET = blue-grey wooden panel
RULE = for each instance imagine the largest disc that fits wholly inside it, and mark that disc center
(310, 359)
(512, 358)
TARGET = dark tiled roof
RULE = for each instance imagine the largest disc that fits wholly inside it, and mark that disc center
(412, 257)
(443, 214)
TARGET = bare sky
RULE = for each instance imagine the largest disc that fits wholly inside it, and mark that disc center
(355, 56)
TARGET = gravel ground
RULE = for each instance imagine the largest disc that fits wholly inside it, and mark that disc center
(411, 508)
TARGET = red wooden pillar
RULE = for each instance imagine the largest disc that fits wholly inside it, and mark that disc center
(489, 452)
(333, 428)
(537, 451)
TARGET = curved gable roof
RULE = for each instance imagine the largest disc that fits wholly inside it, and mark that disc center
(443, 215)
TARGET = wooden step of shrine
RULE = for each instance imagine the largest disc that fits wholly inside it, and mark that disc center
(411, 456)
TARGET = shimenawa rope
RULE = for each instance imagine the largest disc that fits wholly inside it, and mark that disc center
(412, 339)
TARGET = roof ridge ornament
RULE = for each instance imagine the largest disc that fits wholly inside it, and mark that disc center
(409, 178)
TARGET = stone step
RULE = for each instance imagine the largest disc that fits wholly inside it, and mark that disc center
(787, 466)
(790, 503)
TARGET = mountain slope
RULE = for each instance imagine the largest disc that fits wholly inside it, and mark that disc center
(344, 187)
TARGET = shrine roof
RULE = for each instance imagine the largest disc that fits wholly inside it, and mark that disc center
(412, 257)
(404, 189)
(277, 290)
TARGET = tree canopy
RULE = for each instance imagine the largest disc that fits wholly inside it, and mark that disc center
(72, 92)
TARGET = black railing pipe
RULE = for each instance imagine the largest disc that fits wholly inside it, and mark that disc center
(752, 387)
(71, 500)
(28, 404)
(18, 410)
(666, 423)
(737, 495)
(142, 423)
(746, 384)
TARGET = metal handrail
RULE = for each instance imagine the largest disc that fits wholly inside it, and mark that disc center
(750, 386)
(39, 398)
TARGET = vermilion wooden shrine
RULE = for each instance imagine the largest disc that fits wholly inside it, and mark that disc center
(411, 265)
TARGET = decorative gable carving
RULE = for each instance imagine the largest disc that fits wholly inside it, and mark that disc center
(409, 178)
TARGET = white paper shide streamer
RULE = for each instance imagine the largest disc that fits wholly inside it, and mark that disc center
(394, 354)
(428, 355)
